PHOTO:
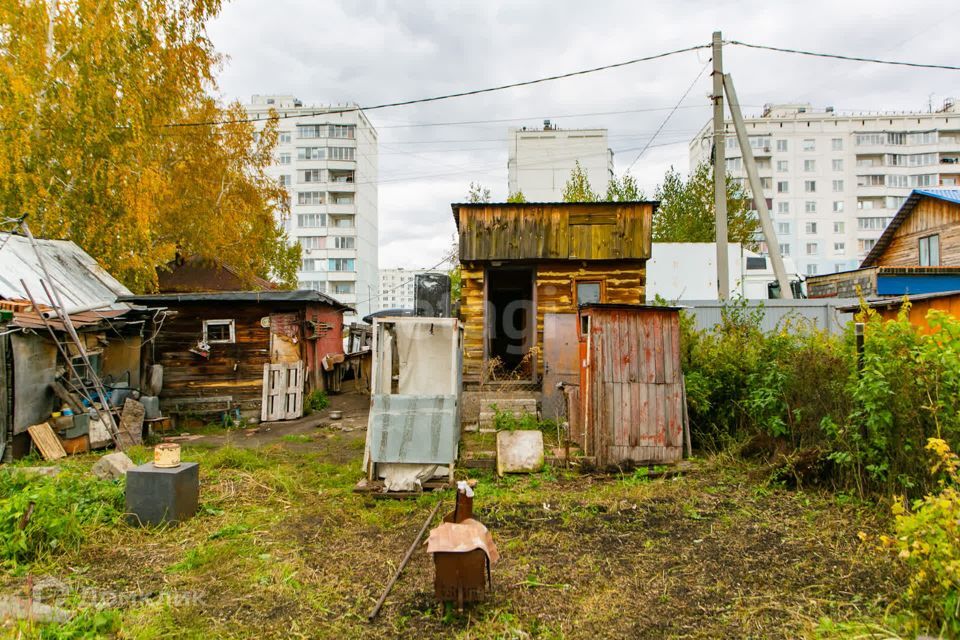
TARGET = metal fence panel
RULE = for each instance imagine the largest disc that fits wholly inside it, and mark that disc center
(822, 312)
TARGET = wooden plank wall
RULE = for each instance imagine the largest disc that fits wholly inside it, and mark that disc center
(231, 370)
(599, 231)
(624, 282)
(633, 401)
(928, 217)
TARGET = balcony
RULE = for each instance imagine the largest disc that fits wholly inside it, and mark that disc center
(341, 209)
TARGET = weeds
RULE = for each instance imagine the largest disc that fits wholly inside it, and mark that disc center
(317, 400)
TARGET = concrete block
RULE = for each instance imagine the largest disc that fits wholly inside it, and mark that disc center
(519, 451)
(112, 466)
(158, 496)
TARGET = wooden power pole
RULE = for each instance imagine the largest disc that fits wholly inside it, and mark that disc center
(720, 170)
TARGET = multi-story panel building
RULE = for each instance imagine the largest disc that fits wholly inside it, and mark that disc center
(540, 160)
(327, 158)
(835, 180)
(397, 288)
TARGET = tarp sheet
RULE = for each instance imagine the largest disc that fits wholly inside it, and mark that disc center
(415, 429)
(34, 368)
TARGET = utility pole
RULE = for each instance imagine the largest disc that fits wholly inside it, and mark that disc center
(720, 169)
(773, 246)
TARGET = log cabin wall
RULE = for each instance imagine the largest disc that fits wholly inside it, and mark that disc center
(234, 370)
(930, 216)
(562, 243)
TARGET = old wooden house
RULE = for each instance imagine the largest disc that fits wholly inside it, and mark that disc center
(917, 253)
(243, 353)
(525, 270)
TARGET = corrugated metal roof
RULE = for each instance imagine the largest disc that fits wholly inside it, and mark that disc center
(298, 295)
(897, 301)
(78, 278)
(949, 195)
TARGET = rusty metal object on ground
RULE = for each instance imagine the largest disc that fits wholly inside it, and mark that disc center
(463, 552)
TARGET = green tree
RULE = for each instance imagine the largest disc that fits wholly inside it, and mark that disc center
(87, 90)
(686, 211)
(623, 189)
(517, 198)
(578, 187)
(478, 193)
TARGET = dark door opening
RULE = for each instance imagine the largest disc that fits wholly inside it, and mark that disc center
(510, 321)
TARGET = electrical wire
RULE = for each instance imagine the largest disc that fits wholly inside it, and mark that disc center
(448, 96)
(836, 56)
(669, 115)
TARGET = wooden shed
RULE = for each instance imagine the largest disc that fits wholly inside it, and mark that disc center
(525, 269)
(253, 353)
(629, 404)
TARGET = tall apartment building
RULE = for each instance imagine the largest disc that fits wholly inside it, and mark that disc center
(327, 159)
(397, 288)
(540, 160)
(834, 181)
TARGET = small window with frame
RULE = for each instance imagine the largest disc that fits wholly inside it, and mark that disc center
(219, 332)
(930, 251)
(588, 291)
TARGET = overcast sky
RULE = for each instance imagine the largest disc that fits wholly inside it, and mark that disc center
(377, 52)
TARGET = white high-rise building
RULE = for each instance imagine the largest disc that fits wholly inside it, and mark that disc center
(327, 159)
(540, 160)
(833, 181)
(397, 288)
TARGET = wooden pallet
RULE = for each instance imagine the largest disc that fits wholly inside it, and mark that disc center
(46, 441)
(375, 489)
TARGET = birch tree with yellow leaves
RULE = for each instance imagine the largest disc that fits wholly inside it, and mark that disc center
(110, 137)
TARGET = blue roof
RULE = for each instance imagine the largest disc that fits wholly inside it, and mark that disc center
(948, 195)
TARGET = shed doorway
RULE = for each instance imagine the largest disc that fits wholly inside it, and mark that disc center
(510, 323)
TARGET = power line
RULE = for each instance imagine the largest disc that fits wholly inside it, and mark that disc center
(669, 115)
(448, 96)
(836, 56)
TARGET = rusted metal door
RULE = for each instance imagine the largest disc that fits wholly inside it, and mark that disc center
(560, 360)
(282, 391)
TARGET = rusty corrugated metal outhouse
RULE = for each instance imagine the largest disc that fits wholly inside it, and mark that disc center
(629, 406)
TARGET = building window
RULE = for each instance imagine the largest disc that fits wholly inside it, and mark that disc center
(866, 244)
(311, 265)
(811, 229)
(785, 249)
(310, 130)
(313, 285)
(219, 332)
(837, 186)
(810, 186)
(285, 180)
(311, 153)
(871, 224)
(811, 269)
(869, 139)
(809, 144)
(285, 158)
(783, 228)
(342, 222)
(838, 227)
(930, 251)
(344, 242)
(783, 207)
(839, 247)
(813, 248)
(312, 242)
(588, 292)
(341, 153)
(837, 206)
(311, 220)
(783, 166)
(309, 197)
(344, 287)
(342, 264)
(285, 137)
(783, 186)
(310, 176)
(341, 198)
(734, 164)
(836, 144)
(837, 164)
(341, 131)
(766, 183)
(781, 145)
(809, 165)
(810, 206)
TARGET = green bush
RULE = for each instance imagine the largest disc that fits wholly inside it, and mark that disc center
(799, 388)
(927, 540)
(317, 400)
(63, 506)
(526, 421)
